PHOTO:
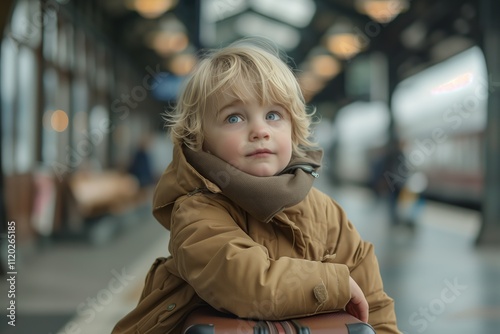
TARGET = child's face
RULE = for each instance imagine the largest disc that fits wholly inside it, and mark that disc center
(255, 139)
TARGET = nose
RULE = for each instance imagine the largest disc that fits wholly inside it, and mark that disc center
(259, 130)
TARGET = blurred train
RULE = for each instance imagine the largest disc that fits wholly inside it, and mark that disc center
(440, 120)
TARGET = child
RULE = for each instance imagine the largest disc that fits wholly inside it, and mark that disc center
(249, 235)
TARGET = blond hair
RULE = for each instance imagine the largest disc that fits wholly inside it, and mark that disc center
(246, 68)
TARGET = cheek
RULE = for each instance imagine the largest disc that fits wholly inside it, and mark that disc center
(209, 142)
(285, 143)
(228, 143)
(287, 137)
(289, 149)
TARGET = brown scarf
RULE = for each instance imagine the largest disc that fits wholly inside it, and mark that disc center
(261, 197)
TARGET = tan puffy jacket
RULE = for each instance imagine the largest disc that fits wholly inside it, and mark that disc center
(286, 252)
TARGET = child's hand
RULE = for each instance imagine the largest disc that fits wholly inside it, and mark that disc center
(357, 306)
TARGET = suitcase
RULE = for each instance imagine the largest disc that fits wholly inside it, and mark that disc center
(209, 321)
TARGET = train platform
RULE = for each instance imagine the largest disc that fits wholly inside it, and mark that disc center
(440, 281)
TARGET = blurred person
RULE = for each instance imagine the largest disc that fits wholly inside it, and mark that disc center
(140, 165)
(249, 234)
(392, 161)
(390, 180)
(385, 179)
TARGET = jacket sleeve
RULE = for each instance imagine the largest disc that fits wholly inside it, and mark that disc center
(235, 274)
(360, 257)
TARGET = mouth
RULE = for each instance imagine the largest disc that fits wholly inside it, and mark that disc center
(259, 153)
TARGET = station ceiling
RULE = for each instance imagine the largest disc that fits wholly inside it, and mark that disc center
(424, 33)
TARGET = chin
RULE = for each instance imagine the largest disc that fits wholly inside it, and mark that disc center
(261, 173)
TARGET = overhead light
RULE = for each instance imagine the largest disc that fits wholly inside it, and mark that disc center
(166, 43)
(59, 120)
(318, 68)
(345, 40)
(170, 37)
(325, 66)
(151, 9)
(310, 84)
(382, 11)
(182, 64)
(344, 45)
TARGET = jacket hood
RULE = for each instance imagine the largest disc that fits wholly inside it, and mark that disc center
(261, 197)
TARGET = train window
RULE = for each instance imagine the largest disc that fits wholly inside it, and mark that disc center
(478, 148)
(80, 55)
(101, 72)
(71, 47)
(63, 106)
(50, 45)
(19, 71)
(26, 111)
(26, 23)
(472, 153)
(49, 136)
(98, 133)
(91, 62)
(63, 47)
(8, 77)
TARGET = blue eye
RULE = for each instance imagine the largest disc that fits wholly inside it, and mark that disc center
(233, 119)
(273, 116)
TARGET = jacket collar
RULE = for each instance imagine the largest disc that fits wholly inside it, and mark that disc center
(261, 197)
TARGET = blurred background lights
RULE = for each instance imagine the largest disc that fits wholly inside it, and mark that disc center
(168, 37)
(344, 45)
(151, 9)
(382, 11)
(309, 84)
(345, 40)
(182, 64)
(456, 83)
(166, 43)
(59, 120)
(325, 66)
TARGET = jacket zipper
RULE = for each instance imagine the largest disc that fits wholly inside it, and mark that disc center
(306, 168)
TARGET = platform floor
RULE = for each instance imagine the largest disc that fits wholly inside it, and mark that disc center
(440, 281)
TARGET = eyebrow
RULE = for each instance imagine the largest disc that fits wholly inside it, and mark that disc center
(230, 104)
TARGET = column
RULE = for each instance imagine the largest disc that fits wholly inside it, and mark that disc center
(489, 233)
